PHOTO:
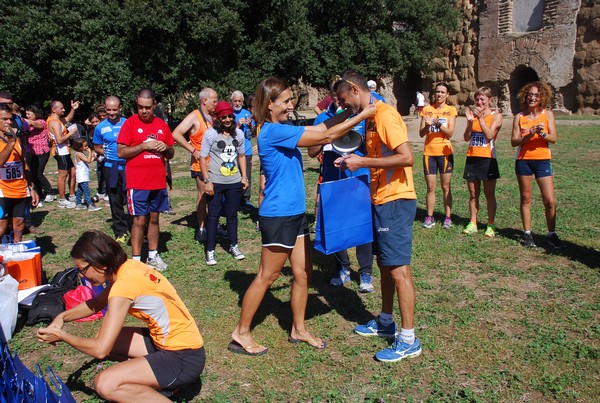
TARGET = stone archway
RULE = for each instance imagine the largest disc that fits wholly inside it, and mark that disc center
(405, 91)
(518, 78)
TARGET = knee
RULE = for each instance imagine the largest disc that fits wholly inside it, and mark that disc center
(526, 198)
(550, 204)
(104, 385)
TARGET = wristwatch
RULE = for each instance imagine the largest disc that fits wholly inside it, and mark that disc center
(206, 180)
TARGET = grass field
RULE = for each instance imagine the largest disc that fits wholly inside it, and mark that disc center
(497, 322)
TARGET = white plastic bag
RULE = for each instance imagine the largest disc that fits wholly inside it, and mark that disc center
(9, 289)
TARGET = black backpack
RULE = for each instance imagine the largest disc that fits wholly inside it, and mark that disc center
(49, 303)
(46, 305)
(67, 278)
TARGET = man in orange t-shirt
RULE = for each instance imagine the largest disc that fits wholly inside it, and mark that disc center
(394, 206)
(195, 124)
(16, 189)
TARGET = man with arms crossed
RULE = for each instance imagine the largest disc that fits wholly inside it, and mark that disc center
(196, 123)
(145, 141)
(394, 206)
(105, 144)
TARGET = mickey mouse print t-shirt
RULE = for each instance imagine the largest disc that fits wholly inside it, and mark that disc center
(223, 166)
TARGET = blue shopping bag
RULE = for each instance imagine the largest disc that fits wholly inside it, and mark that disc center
(344, 217)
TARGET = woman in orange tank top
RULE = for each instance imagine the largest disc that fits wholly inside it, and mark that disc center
(482, 129)
(533, 130)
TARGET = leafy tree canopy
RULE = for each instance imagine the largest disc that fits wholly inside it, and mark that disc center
(87, 49)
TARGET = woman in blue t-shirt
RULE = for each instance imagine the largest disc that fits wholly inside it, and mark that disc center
(282, 213)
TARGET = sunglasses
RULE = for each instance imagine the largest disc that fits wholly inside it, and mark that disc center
(82, 271)
(227, 117)
(533, 95)
(340, 78)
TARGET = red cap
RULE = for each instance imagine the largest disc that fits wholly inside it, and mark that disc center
(223, 108)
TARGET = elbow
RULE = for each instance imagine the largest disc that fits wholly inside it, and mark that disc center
(410, 161)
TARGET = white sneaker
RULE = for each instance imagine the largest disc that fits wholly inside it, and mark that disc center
(210, 258)
(79, 207)
(93, 207)
(234, 251)
(64, 203)
(40, 204)
(49, 198)
(157, 263)
(72, 198)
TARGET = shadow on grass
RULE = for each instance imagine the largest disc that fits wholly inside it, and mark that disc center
(38, 216)
(46, 244)
(188, 220)
(582, 254)
(271, 305)
(440, 217)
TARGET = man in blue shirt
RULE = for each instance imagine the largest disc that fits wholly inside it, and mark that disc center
(243, 118)
(373, 89)
(105, 144)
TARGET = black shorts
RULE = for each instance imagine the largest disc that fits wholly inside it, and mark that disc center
(481, 169)
(538, 168)
(282, 231)
(15, 208)
(64, 162)
(443, 164)
(197, 174)
(174, 368)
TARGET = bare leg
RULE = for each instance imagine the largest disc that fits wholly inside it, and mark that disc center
(200, 203)
(387, 289)
(72, 181)
(430, 200)
(302, 270)
(271, 262)
(546, 185)
(403, 282)
(60, 184)
(474, 190)
(525, 184)
(153, 231)
(137, 234)
(18, 224)
(489, 189)
(447, 191)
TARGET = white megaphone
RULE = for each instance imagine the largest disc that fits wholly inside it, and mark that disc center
(348, 143)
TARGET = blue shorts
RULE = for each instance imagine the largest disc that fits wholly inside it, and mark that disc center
(434, 164)
(282, 231)
(392, 231)
(144, 202)
(539, 168)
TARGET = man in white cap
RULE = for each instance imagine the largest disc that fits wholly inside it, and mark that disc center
(373, 88)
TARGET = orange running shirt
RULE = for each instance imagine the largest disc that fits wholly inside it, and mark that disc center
(12, 174)
(536, 148)
(436, 142)
(479, 145)
(155, 302)
(196, 139)
(384, 134)
(63, 149)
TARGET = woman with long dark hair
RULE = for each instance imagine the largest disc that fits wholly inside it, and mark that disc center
(533, 131)
(164, 356)
(282, 213)
(224, 176)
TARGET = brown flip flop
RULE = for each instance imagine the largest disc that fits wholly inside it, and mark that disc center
(237, 348)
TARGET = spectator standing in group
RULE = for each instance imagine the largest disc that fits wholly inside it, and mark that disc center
(373, 90)
(483, 126)
(195, 125)
(533, 132)
(17, 192)
(226, 174)
(437, 126)
(59, 136)
(92, 121)
(145, 141)
(40, 152)
(394, 207)
(105, 145)
(420, 102)
(83, 157)
(243, 120)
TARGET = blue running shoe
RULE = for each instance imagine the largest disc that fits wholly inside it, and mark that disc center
(399, 350)
(374, 328)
